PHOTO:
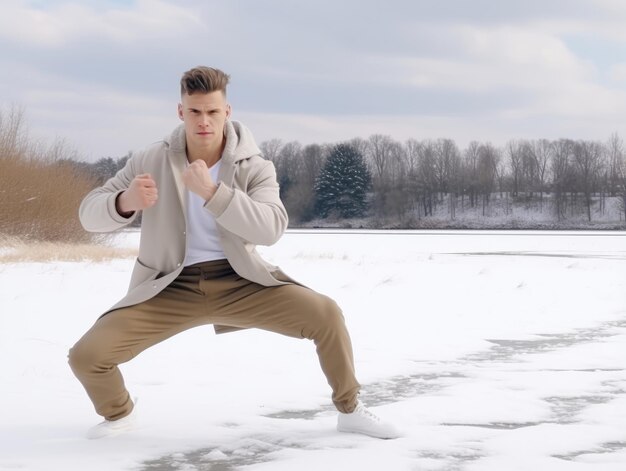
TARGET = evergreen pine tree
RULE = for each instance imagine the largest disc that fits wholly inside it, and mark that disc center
(342, 184)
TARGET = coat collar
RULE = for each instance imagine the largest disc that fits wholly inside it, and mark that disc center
(240, 143)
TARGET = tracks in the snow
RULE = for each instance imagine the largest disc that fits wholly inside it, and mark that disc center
(257, 448)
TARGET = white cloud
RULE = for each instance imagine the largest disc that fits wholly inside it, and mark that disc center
(499, 57)
(70, 21)
(515, 60)
(98, 121)
(105, 74)
(497, 129)
(617, 73)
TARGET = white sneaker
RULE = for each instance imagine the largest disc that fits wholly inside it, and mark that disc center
(366, 422)
(110, 428)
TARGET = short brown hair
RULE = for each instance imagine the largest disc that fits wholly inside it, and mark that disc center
(203, 80)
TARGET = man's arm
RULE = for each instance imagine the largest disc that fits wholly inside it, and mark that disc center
(257, 216)
(115, 204)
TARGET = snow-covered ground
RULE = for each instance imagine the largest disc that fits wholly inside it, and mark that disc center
(493, 351)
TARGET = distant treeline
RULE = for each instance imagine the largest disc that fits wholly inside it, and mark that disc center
(102, 169)
(408, 180)
(398, 184)
(371, 183)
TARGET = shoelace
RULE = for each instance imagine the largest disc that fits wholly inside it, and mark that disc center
(366, 412)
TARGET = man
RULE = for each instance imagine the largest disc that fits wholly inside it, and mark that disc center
(207, 199)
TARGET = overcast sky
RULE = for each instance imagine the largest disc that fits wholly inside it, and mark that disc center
(104, 74)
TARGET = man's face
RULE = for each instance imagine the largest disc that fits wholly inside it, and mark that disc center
(204, 115)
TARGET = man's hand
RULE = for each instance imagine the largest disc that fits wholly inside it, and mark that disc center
(198, 179)
(142, 193)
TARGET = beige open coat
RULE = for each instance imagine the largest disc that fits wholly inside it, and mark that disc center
(246, 206)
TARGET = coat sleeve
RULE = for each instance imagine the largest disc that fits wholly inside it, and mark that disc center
(97, 211)
(256, 216)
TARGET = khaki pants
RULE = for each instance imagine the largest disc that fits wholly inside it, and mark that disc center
(211, 293)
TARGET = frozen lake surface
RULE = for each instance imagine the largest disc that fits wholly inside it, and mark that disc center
(492, 350)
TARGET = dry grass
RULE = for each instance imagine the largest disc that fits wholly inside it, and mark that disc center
(13, 250)
(40, 190)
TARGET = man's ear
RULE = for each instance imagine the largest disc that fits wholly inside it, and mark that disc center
(229, 111)
(180, 112)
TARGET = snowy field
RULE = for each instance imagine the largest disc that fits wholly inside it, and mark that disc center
(492, 351)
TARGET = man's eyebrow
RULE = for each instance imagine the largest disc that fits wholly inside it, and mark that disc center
(213, 108)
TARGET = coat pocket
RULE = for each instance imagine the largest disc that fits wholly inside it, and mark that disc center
(141, 274)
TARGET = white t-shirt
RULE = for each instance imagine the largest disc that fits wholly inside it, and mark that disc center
(203, 240)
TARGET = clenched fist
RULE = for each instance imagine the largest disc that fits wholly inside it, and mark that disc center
(142, 193)
(198, 179)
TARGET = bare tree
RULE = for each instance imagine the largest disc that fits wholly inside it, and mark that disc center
(359, 144)
(288, 168)
(488, 157)
(471, 171)
(615, 157)
(413, 185)
(379, 160)
(514, 153)
(447, 157)
(501, 175)
(427, 176)
(529, 179)
(542, 152)
(399, 201)
(446, 152)
(455, 181)
(378, 154)
(271, 149)
(562, 175)
(313, 161)
(300, 197)
(587, 159)
(412, 154)
(621, 174)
